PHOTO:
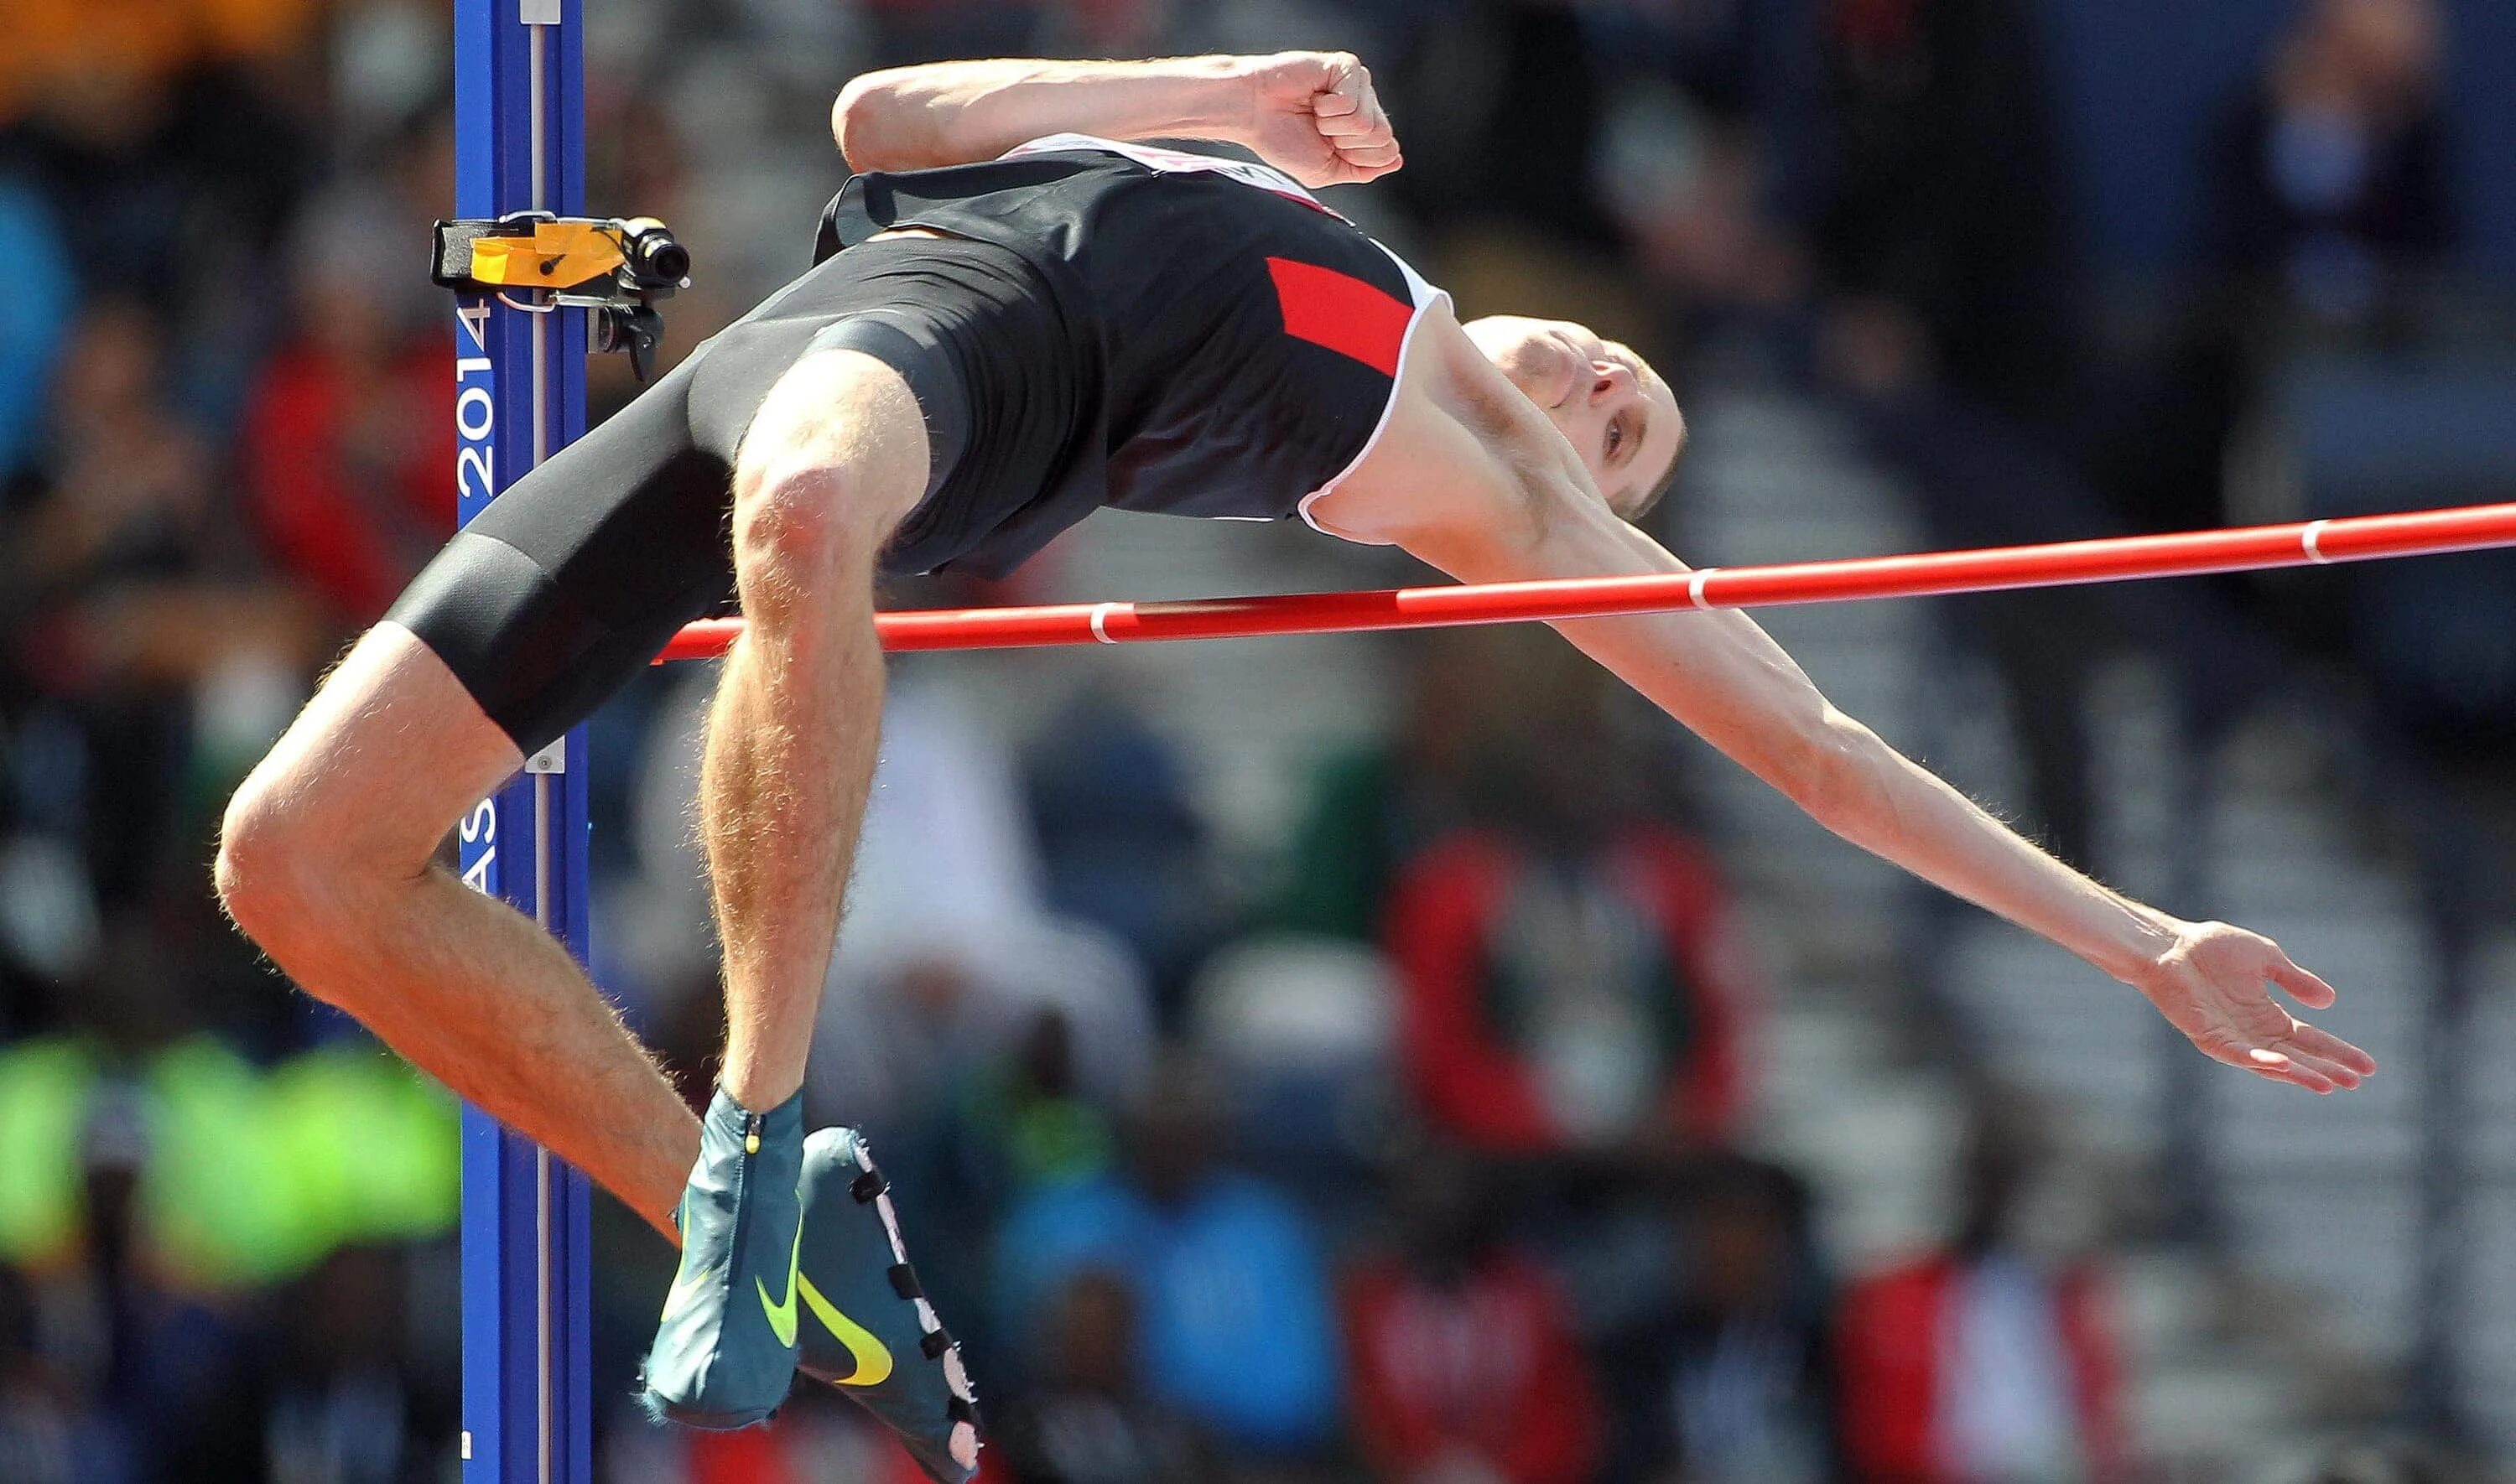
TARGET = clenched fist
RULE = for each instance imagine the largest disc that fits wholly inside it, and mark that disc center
(1314, 115)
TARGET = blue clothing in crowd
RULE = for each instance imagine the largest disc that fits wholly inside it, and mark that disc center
(34, 315)
(1237, 1322)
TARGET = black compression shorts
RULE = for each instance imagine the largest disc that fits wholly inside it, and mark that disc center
(573, 578)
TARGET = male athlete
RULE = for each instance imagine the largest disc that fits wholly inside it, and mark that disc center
(1018, 318)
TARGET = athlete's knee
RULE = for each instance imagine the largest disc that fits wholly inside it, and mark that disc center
(833, 461)
(264, 878)
(292, 883)
(284, 871)
(802, 518)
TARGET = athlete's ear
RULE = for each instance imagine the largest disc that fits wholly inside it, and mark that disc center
(1493, 334)
(1660, 487)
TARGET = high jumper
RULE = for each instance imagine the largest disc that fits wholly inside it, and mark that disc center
(1019, 314)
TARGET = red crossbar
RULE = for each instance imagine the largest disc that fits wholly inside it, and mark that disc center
(2356, 538)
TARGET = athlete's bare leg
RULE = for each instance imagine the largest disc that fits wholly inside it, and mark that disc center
(835, 458)
(325, 860)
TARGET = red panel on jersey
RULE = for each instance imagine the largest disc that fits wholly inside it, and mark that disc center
(1342, 313)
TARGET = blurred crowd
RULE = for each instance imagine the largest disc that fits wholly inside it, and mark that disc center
(1422, 1154)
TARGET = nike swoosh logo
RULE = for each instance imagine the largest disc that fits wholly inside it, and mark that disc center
(685, 1286)
(781, 1316)
(686, 1282)
(871, 1355)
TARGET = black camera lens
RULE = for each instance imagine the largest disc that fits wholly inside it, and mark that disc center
(665, 259)
(654, 254)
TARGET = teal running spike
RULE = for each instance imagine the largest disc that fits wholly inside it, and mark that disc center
(725, 1348)
(867, 1327)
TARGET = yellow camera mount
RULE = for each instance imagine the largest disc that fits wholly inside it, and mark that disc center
(618, 268)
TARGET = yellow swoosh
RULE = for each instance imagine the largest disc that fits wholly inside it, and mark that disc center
(871, 1355)
(685, 1286)
(781, 1316)
(685, 1280)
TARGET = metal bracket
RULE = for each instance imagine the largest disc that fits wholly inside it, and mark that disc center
(550, 760)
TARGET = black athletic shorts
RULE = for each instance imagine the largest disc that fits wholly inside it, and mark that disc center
(576, 577)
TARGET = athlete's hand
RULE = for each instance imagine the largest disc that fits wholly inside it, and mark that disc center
(2210, 985)
(1314, 115)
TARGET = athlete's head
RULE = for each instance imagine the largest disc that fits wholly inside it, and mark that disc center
(1620, 415)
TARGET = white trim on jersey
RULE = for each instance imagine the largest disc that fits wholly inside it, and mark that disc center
(1176, 162)
(1426, 296)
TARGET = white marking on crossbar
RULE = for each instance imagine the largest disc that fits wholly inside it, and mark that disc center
(2312, 538)
(1100, 620)
(1695, 586)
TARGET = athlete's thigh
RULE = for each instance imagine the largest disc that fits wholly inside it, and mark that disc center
(842, 424)
(385, 758)
(567, 585)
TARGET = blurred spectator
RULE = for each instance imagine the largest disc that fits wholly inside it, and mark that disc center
(1470, 94)
(1302, 1031)
(1005, 1126)
(352, 1405)
(242, 1176)
(34, 315)
(1121, 843)
(1691, 192)
(1466, 1369)
(1229, 1276)
(1731, 1382)
(50, 1429)
(2393, 1463)
(1969, 467)
(2349, 377)
(815, 1437)
(1938, 224)
(118, 486)
(1371, 809)
(157, 1186)
(953, 950)
(348, 434)
(60, 46)
(2332, 178)
(1569, 977)
(1027, 1119)
(1089, 1418)
(1989, 1360)
(125, 598)
(178, 1371)
(178, 175)
(930, 30)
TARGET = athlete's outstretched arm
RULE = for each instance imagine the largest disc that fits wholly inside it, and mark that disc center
(1531, 513)
(1312, 114)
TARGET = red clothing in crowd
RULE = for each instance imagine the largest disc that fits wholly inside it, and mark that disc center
(1895, 1365)
(1491, 1368)
(349, 477)
(1448, 930)
(804, 1449)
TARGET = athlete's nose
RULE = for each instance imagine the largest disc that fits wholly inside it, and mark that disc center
(1609, 380)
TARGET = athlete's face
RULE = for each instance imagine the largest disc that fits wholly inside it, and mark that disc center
(1620, 415)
